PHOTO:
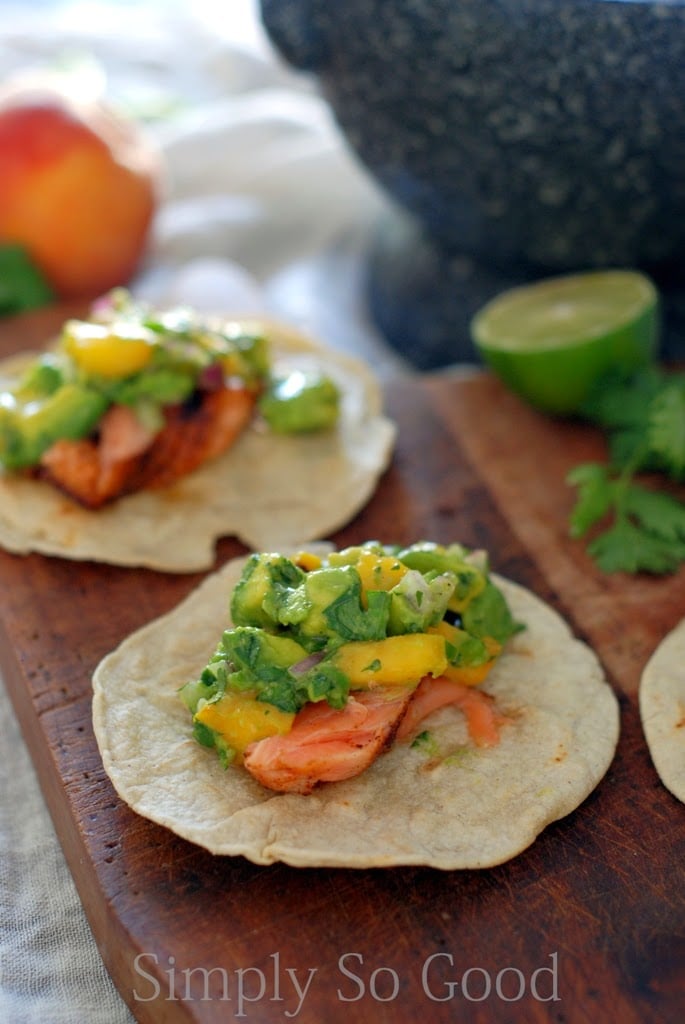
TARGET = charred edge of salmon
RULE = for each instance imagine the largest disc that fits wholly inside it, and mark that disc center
(199, 430)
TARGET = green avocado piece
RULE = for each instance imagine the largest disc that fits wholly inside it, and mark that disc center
(265, 584)
(300, 403)
(488, 615)
(163, 386)
(331, 599)
(26, 431)
(322, 589)
(41, 378)
(261, 661)
(417, 602)
(429, 558)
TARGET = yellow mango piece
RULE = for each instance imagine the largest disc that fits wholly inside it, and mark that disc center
(396, 660)
(378, 572)
(450, 632)
(108, 352)
(468, 675)
(241, 719)
(307, 560)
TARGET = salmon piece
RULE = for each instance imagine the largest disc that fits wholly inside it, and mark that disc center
(482, 718)
(122, 435)
(126, 457)
(122, 440)
(94, 470)
(327, 744)
(193, 434)
(74, 467)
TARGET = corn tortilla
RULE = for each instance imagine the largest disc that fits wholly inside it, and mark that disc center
(269, 491)
(466, 808)
(662, 709)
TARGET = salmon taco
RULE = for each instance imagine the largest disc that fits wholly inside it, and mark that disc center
(662, 709)
(373, 706)
(142, 436)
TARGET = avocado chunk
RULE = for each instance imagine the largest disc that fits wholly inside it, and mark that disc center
(261, 661)
(300, 403)
(163, 385)
(332, 602)
(417, 602)
(41, 378)
(428, 557)
(264, 586)
(27, 431)
(488, 615)
(321, 590)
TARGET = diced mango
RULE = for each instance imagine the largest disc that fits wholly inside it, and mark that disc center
(450, 632)
(468, 675)
(397, 660)
(307, 560)
(378, 572)
(241, 719)
(106, 351)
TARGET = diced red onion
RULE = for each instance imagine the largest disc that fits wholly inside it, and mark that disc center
(300, 667)
(212, 377)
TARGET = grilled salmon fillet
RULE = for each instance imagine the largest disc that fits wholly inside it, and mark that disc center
(125, 457)
(482, 718)
(328, 744)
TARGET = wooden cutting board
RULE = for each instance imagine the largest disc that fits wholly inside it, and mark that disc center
(586, 923)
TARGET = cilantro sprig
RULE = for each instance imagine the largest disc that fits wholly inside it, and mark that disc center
(634, 528)
(22, 285)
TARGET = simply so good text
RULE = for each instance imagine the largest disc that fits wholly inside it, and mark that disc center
(439, 979)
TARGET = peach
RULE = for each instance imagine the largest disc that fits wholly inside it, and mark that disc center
(79, 187)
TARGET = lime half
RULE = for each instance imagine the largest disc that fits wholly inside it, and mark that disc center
(550, 341)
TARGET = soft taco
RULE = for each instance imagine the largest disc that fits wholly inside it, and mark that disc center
(142, 436)
(362, 708)
(662, 709)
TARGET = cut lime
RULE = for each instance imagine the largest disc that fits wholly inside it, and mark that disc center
(551, 341)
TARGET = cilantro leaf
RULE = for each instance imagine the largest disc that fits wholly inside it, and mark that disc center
(349, 620)
(656, 511)
(647, 531)
(22, 286)
(620, 402)
(626, 547)
(666, 428)
(629, 449)
(595, 495)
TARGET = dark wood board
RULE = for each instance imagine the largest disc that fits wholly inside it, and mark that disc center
(595, 906)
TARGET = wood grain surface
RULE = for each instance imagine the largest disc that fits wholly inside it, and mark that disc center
(588, 923)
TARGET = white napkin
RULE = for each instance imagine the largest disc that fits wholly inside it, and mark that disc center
(264, 210)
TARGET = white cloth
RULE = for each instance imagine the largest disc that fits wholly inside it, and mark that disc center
(264, 209)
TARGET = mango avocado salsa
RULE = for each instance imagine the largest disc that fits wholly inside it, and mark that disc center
(127, 354)
(310, 628)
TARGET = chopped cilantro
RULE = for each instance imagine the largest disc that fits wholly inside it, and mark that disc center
(373, 666)
(425, 742)
(350, 621)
